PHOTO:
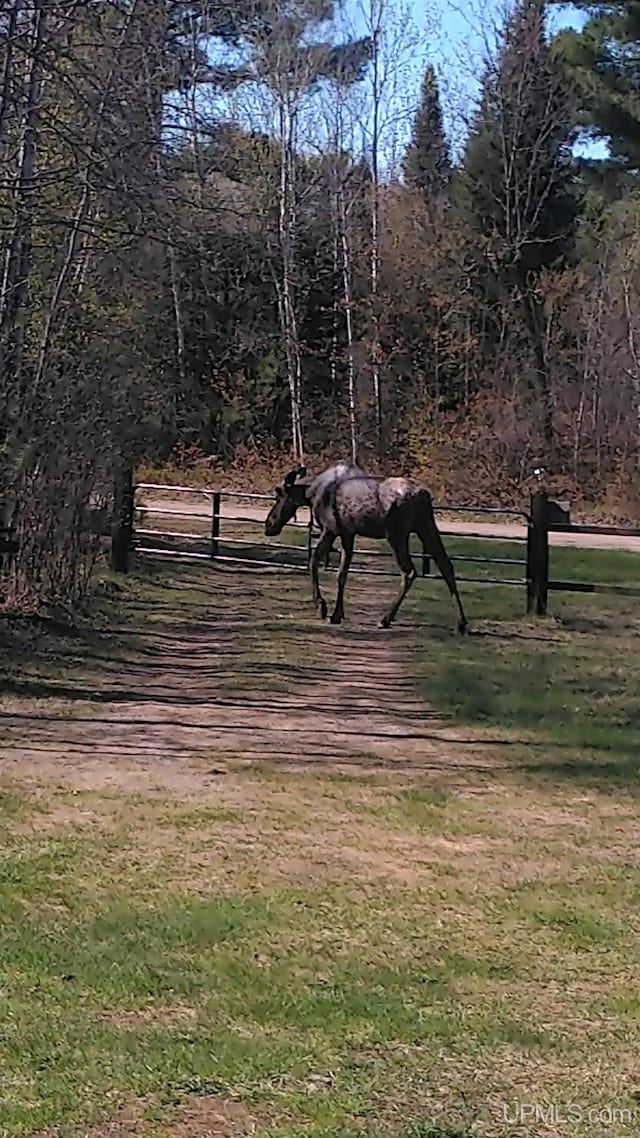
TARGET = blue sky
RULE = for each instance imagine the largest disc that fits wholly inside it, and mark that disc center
(465, 26)
(455, 36)
(452, 35)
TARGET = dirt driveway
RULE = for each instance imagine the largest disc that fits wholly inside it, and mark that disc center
(246, 677)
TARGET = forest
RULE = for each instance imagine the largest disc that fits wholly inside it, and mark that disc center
(216, 245)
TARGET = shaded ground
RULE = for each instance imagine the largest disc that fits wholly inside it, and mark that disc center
(249, 676)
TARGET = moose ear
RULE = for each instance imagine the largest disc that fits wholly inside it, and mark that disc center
(302, 470)
(291, 477)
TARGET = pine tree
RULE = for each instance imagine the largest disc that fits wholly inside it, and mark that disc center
(516, 183)
(602, 62)
(515, 191)
(427, 161)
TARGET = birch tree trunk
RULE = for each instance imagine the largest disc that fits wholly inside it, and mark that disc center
(14, 287)
(375, 234)
(343, 260)
(286, 235)
(348, 310)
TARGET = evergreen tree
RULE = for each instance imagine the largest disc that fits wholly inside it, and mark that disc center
(516, 184)
(427, 162)
(264, 34)
(603, 65)
(515, 191)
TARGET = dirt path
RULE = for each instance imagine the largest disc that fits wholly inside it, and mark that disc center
(198, 503)
(195, 698)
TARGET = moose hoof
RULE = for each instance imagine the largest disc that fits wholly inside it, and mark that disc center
(462, 627)
(384, 623)
(322, 609)
(336, 618)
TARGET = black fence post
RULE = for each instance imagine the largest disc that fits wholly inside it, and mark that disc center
(215, 526)
(538, 555)
(8, 547)
(122, 528)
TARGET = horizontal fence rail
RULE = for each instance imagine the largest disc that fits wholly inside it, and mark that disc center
(228, 536)
(605, 531)
(208, 525)
(593, 587)
(217, 529)
(545, 522)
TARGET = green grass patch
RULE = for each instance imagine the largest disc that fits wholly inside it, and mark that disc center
(330, 1008)
(565, 687)
(101, 632)
(576, 928)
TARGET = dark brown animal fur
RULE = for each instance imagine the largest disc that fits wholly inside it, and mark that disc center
(348, 503)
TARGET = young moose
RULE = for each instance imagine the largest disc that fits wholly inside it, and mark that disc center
(347, 503)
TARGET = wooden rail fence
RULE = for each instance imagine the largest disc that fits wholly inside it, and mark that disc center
(218, 536)
(530, 572)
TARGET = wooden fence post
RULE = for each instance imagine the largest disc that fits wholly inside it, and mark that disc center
(538, 555)
(8, 547)
(122, 528)
(215, 526)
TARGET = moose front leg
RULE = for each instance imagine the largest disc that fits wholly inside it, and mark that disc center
(322, 549)
(337, 616)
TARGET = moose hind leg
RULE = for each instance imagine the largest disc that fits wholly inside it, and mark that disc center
(337, 616)
(430, 536)
(447, 571)
(400, 548)
(323, 547)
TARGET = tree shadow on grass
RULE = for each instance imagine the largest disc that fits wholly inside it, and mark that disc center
(518, 691)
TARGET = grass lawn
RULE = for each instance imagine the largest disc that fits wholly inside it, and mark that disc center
(564, 690)
(312, 954)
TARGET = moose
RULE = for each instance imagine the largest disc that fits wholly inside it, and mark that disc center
(346, 503)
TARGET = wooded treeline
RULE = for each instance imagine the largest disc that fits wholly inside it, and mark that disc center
(206, 248)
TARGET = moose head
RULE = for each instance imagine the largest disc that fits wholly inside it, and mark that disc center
(290, 496)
